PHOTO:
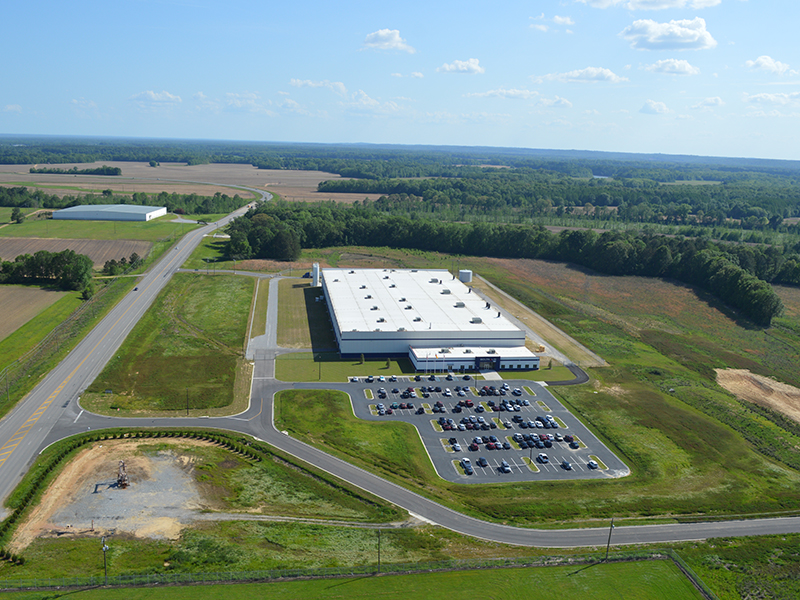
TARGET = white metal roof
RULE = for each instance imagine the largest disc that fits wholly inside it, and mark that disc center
(408, 300)
(470, 352)
(111, 208)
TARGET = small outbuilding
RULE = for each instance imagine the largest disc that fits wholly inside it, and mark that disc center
(110, 212)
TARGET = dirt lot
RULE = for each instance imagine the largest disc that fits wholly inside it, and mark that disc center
(179, 178)
(84, 500)
(762, 391)
(19, 304)
(98, 250)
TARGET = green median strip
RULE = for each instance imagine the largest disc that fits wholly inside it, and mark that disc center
(530, 391)
(599, 462)
(543, 406)
(532, 466)
(368, 394)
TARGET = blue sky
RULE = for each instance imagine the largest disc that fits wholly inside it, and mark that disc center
(706, 77)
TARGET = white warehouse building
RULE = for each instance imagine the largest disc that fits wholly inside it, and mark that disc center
(110, 212)
(421, 314)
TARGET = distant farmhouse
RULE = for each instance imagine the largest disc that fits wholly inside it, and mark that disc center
(427, 315)
(110, 212)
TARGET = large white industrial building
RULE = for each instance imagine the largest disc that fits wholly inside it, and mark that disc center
(427, 315)
(110, 212)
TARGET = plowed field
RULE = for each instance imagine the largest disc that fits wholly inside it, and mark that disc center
(98, 250)
(19, 304)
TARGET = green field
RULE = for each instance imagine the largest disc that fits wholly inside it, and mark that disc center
(327, 366)
(187, 349)
(209, 254)
(259, 325)
(303, 322)
(5, 213)
(648, 580)
(149, 231)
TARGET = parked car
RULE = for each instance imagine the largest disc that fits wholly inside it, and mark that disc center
(567, 465)
(542, 458)
(592, 464)
(483, 462)
(505, 467)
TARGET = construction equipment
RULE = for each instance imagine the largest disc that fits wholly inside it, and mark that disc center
(122, 476)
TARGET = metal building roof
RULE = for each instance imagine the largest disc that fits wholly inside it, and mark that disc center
(408, 300)
(111, 208)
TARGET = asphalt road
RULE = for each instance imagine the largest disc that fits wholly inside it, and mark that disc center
(51, 412)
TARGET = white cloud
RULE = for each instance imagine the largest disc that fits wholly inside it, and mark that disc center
(387, 39)
(336, 86)
(199, 96)
(539, 26)
(12, 108)
(83, 103)
(651, 4)
(417, 74)
(590, 74)
(563, 20)
(360, 101)
(651, 107)
(152, 98)
(462, 66)
(683, 34)
(707, 103)
(673, 66)
(769, 64)
(558, 102)
(779, 99)
(247, 102)
(514, 94)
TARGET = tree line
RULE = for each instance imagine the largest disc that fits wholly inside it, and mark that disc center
(738, 276)
(192, 204)
(104, 170)
(66, 270)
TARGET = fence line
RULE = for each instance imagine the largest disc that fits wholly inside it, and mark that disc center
(146, 579)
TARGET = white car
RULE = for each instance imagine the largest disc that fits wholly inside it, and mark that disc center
(592, 464)
(382, 379)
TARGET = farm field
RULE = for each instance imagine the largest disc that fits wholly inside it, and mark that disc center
(186, 349)
(150, 231)
(179, 178)
(19, 304)
(647, 580)
(99, 251)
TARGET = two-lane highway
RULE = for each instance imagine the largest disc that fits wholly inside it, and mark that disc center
(23, 430)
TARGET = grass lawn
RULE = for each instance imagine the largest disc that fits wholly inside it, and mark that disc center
(302, 321)
(260, 309)
(327, 366)
(189, 344)
(648, 580)
(149, 231)
(209, 254)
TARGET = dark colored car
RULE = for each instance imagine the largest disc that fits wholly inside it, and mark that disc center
(483, 462)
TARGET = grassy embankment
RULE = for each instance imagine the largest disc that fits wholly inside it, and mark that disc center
(651, 580)
(187, 349)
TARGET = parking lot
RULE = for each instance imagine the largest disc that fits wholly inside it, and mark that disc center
(488, 431)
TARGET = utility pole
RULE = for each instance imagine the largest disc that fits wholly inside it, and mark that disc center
(187, 401)
(105, 562)
(608, 545)
(379, 550)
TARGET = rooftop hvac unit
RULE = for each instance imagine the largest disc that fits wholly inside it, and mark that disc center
(417, 319)
(435, 280)
(393, 285)
(490, 351)
(445, 291)
(351, 272)
(408, 307)
(459, 305)
(363, 287)
(381, 320)
(374, 308)
(386, 277)
(401, 329)
(476, 320)
(368, 297)
(402, 299)
(465, 276)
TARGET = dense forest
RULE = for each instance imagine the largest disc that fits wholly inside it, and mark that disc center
(737, 275)
(190, 204)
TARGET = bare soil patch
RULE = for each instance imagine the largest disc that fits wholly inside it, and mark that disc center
(761, 390)
(180, 178)
(84, 500)
(19, 304)
(99, 251)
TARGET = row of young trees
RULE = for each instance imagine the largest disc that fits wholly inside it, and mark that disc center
(104, 170)
(116, 267)
(736, 275)
(66, 270)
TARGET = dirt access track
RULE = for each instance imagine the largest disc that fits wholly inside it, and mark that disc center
(84, 499)
(761, 390)
(178, 178)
